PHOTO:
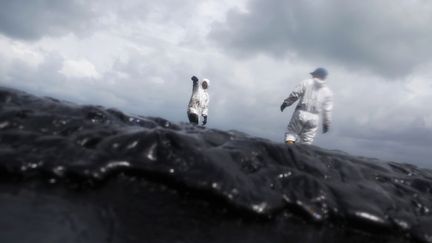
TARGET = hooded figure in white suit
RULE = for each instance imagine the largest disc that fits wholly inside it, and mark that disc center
(199, 101)
(315, 99)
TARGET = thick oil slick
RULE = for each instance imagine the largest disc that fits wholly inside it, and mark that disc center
(73, 173)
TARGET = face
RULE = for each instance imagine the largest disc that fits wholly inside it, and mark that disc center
(204, 85)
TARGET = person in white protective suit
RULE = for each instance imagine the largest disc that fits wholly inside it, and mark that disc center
(315, 98)
(199, 101)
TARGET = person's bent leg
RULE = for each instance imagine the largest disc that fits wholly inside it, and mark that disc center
(309, 132)
(293, 129)
(308, 137)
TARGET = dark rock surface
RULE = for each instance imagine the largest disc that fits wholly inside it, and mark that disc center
(73, 173)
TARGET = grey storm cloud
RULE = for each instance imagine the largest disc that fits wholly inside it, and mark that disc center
(386, 37)
(30, 20)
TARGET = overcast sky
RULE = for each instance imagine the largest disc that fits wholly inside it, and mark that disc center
(138, 56)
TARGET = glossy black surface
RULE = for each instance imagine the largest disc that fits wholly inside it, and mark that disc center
(88, 174)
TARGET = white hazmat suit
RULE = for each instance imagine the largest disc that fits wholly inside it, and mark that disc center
(315, 98)
(199, 101)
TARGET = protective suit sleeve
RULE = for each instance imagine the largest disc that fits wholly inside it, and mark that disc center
(327, 110)
(205, 106)
(295, 94)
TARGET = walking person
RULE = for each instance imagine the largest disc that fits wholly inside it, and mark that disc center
(315, 99)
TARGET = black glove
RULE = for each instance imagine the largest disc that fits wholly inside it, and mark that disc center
(204, 121)
(194, 78)
(283, 106)
(325, 128)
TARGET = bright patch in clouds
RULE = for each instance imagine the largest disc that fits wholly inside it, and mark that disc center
(79, 69)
